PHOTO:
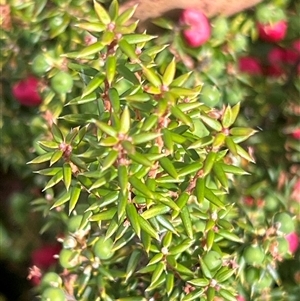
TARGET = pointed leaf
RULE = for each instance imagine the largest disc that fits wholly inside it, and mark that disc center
(132, 215)
(169, 73)
(67, 175)
(74, 197)
(168, 167)
(186, 221)
(54, 180)
(146, 226)
(93, 85)
(101, 13)
(90, 50)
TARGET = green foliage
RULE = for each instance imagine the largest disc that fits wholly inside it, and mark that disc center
(140, 150)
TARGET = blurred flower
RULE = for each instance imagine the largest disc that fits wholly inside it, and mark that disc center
(198, 28)
(272, 32)
(293, 241)
(43, 257)
(250, 65)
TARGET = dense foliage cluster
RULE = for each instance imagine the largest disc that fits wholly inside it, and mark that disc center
(166, 167)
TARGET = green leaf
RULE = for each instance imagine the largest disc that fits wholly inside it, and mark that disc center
(168, 167)
(241, 131)
(133, 217)
(67, 175)
(90, 50)
(241, 152)
(57, 134)
(229, 235)
(128, 50)
(169, 283)
(146, 241)
(92, 85)
(110, 159)
(91, 26)
(104, 127)
(122, 205)
(183, 270)
(141, 159)
(223, 275)
(101, 13)
(166, 223)
(82, 100)
(114, 10)
(212, 123)
(227, 119)
(200, 189)
(74, 197)
(152, 76)
(205, 270)
(114, 99)
(210, 196)
(42, 158)
(181, 80)
(144, 137)
(176, 112)
(189, 169)
(181, 247)
(231, 145)
(193, 295)
(233, 169)
(132, 263)
(209, 162)
(123, 178)
(235, 112)
(110, 65)
(186, 221)
(104, 215)
(227, 295)
(199, 282)
(109, 141)
(56, 156)
(126, 15)
(54, 180)
(210, 237)
(146, 226)
(155, 210)
(149, 123)
(128, 74)
(61, 200)
(169, 73)
(135, 38)
(220, 174)
(168, 141)
(48, 171)
(155, 259)
(125, 121)
(140, 186)
(156, 273)
(180, 202)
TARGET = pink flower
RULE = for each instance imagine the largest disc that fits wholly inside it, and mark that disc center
(26, 91)
(240, 298)
(198, 28)
(272, 32)
(296, 45)
(43, 257)
(250, 65)
(293, 241)
(296, 134)
(276, 55)
(274, 71)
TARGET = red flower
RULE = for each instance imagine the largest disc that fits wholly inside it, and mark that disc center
(250, 65)
(272, 32)
(26, 91)
(293, 241)
(296, 134)
(198, 31)
(43, 257)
